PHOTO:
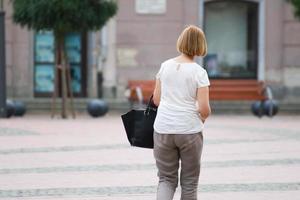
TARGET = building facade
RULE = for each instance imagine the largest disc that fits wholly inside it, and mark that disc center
(247, 39)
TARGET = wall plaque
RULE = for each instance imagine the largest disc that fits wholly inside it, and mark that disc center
(150, 6)
(127, 57)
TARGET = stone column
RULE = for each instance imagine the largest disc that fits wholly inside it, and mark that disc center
(93, 46)
(108, 64)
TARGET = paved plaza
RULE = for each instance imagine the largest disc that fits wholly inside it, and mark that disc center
(90, 159)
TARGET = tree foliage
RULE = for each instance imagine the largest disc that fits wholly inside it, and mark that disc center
(63, 15)
(296, 4)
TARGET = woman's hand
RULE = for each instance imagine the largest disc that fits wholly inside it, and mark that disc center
(203, 121)
(201, 118)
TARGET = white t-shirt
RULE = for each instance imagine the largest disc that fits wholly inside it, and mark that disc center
(178, 111)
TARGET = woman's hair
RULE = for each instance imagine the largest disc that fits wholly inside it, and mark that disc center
(192, 42)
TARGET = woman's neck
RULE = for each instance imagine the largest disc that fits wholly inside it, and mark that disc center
(185, 58)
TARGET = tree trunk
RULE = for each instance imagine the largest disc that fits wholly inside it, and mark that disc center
(61, 64)
(64, 91)
(56, 76)
(69, 83)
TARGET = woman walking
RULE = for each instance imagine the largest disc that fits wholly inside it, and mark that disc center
(182, 96)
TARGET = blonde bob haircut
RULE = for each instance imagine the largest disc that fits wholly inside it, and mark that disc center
(192, 42)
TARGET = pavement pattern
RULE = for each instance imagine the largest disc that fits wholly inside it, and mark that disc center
(244, 157)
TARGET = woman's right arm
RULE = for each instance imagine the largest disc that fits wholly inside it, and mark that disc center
(203, 102)
(157, 93)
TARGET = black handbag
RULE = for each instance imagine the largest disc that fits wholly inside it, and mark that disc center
(139, 125)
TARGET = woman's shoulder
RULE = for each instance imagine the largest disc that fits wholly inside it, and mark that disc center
(197, 68)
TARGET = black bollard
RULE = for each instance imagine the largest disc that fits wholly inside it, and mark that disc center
(20, 108)
(97, 107)
(10, 108)
(257, 108)
(270, 108)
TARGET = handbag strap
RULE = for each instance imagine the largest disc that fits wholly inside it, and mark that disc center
(149, 107)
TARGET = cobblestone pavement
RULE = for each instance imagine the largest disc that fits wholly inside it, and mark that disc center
(90, 159)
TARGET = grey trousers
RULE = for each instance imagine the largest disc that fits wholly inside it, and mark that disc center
(169, 149)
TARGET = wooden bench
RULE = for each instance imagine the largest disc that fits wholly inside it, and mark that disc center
(146, 86)
(229, 90)
(237, 90)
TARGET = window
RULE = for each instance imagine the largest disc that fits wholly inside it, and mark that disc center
(44, 63)
(231, 29)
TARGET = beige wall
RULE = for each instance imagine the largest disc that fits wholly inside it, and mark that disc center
(282, 50)
(18, 57)
(291, 48)
(273, 41)
(150, 38)
(142, 41)
(282, 44)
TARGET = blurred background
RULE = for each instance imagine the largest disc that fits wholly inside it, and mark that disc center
(113, 53)
(247, 40)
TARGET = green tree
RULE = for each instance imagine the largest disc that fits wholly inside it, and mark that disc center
(62, 17)
(296, 4)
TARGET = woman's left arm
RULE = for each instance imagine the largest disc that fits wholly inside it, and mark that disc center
(157, 92)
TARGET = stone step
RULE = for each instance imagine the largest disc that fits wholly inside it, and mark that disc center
(218, 107)
(44, 105)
